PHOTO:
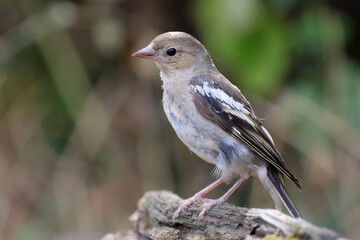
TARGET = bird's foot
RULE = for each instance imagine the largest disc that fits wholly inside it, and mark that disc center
(208, 205)
(187, 202)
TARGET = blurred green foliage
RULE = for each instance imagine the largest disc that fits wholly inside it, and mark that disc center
(251, 41)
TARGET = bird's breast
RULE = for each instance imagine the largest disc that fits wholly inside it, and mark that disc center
(203, 137)
(189, 126)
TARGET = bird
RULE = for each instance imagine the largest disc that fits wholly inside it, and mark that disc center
(214, 120)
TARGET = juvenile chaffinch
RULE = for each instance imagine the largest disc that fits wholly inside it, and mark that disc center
(215, 121)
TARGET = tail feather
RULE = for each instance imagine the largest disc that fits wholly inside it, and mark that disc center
(283, 194)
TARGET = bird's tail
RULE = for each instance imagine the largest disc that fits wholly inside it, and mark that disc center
(282, 193)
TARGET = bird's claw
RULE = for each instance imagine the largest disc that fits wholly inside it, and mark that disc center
(209, 205)
(187, 202)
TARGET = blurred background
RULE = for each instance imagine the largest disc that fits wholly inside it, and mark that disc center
(82, 130)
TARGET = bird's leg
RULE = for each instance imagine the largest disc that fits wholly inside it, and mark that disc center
(207, 206)
(197, 197)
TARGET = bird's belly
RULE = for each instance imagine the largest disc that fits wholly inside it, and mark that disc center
(209, 141)
(199, 143)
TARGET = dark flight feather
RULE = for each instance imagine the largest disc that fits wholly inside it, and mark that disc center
(252, 135)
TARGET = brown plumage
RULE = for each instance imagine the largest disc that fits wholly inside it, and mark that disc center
(214, 120)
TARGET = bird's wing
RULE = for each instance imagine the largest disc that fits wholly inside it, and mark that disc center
(223, 103)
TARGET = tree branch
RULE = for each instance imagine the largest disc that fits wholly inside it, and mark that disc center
(153, 220)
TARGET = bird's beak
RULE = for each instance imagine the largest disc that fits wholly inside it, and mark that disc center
(147, 53)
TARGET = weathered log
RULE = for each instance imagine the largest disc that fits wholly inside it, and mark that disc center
(153, 220)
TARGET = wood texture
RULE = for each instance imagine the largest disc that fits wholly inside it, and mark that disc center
(153, 220)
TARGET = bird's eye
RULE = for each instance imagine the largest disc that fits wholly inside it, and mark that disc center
(171, 51)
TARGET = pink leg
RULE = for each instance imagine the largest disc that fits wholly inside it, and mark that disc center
(207, 206)
(197, 197)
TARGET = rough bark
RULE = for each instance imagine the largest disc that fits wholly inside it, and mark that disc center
(153, 220)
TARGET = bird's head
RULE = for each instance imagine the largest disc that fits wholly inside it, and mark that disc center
(176, 51)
